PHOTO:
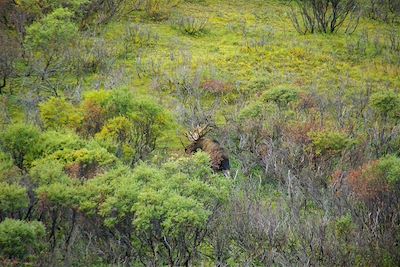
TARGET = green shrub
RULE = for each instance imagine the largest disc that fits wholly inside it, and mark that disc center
(386, 104)
(49, 36)
(47, 171)
(20, 239)
(8, 171)
(57, 195)
(21, 141)
(13, 198)
(58, 113)
(173, 199)
(86, 162)
(52, 141)
(329, 143)
(282, 97)
(389, 166)
(134, 133)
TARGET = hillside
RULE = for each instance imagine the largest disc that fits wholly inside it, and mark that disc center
(212, 133)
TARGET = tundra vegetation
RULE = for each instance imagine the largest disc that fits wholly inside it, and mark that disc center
(96, 97)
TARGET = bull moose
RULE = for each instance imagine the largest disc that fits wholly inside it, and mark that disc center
(219, 158)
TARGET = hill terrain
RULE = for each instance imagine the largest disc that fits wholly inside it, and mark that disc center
(118, 116)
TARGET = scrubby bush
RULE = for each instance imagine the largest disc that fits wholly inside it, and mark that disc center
(386, 104)
(329, 143)
(21, 142)
(377, 179)
(386, 10)
(46, 42)
(174, 201)
(281, 96)
(58, 113)
(157, 9)
(134, 135)
(137, 35)
(13, 198)
(190, 25)
(21, 240)
(94, 112)
(326, 16)
(52, 141)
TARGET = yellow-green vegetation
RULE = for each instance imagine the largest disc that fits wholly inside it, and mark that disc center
(102, 103)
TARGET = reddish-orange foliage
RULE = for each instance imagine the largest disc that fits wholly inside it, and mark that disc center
(216, 86)
(73, 170)
(298, 132)
(306, 102)
(82, 171)
(367, 182)
(93, 118)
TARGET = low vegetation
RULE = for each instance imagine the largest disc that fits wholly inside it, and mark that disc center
(185, 133)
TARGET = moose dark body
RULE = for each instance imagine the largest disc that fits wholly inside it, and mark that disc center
(219, 158)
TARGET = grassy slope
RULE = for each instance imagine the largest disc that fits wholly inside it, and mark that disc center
(288, 58)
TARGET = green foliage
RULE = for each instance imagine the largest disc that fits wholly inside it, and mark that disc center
(329, 143)
(39, 9)
(57, 194)
(281, 96)
(20, 239)
(48, 36)
(21, 142)
(386, 104)
(118, 129)
(94, 111)
(6, 168)
(344, 226)
(58, 113)
(119, 103)
(13, 198)
(138, 124)
(176, 198)
(256, 112)
(45, 171)
(52, 141)
(389, 166)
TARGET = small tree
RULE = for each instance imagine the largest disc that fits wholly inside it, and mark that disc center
(58, 113)
(21, 142)
(47, 40)
(326, 16)
(9, 52)
(20, 240)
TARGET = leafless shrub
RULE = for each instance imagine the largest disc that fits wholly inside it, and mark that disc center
(157, 9)
(326, 16)
(264, 39)
(385, 10)
(137, 35)
(190, 25)
(9, 53)
(193, 106)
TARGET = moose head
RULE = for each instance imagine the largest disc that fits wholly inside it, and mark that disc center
(219, 158)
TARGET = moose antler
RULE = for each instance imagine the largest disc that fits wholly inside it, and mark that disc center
(198, 132)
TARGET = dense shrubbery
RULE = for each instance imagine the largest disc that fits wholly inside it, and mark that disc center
(21, 241)
(96, 95)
